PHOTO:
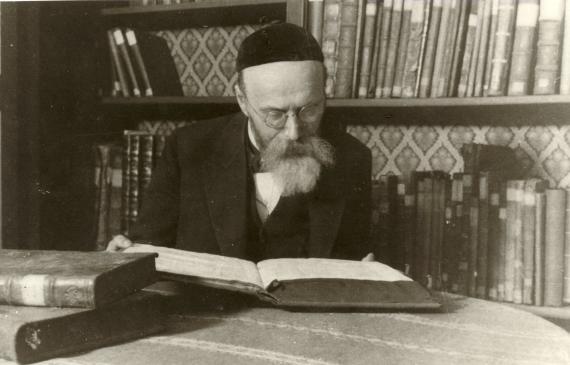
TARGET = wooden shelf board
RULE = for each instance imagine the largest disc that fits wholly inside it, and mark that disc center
(177, 8)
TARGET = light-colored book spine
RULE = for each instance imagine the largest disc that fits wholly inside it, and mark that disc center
(133, 44)
(383, 49)
(413, 53)
(554, 246)
(521, 58)
(539, 247)
(367, 47)
(430, 48)
(502, 48)
(482, 50)
(442, 39)
(565, 66)
(518, 243)
(316, 13)
(118, 65)
(346, 48)
(472, 79)
(121, 45)
(331, 34)
(548, 47)
(502, 242)
(445, 78)
(402, 48)
(491, 47)
(392, 48)
(468, 58)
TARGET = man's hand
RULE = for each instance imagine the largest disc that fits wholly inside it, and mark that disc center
(369, 258)
(119, 243)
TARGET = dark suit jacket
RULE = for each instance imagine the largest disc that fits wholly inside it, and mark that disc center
(197, 199)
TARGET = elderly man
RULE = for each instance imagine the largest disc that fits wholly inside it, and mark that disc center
(272, 181)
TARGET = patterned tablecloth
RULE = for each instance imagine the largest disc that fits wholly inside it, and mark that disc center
(465, 331)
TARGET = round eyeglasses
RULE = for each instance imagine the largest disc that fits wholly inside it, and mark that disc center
(277, 119)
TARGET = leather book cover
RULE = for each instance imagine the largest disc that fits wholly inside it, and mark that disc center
(367, 48)
(502, 48)
(30, 334)
(346, 49)
(71, 278)
(468, 50)
(402, 49)
(413, 52)
(430, 49)
(482, 50)
(331, 34)
(464, 8)
(393, 44)
(548, 47)
(383, 47)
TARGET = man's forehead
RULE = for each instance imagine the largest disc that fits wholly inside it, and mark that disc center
(285, 68)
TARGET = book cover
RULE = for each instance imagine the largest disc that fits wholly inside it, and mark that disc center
(383, 48)
(443, 34)
(134, 168)
(316, 13)
(376, 49)
(71, 278)
(409, 227)
(413, 51)
(491, 46)
(402, 48)
(547, 67)
(126, 184)
(469, 48)
(523, 46)
(346, 48)
(430, 48)
(402, 252)
(393, 42)
(565, 63)
(440, 192)
(502, 48)
(473, 237)
(443, 84)
(117, 65)
(367, 48)
(123, 51)
(554, 247)
(540, 226)
(296, 283)
(463, 8)
(464, 243)
(331, 34)
(30, 334)
(482, 49)
(472, 76)
(454, 242)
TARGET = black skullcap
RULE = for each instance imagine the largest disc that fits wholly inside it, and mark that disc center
(276, 43)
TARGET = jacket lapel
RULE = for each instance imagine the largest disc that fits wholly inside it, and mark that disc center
(225, 184)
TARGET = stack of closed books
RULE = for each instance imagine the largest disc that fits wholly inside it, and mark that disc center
(442, 48)
(54, 303)
(485, 232)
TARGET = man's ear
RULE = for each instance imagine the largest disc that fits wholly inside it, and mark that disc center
(241, 100)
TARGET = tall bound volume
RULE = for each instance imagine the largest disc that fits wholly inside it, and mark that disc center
(346, 49)
(525, 29)
(296, 283)
(29, 334)
(70, 278)
(546, 71)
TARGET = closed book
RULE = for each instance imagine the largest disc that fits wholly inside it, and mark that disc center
(566, 297)
(523, 46)
(473, 237)
(393, 43)
(438, 75)
(502, 48)
(493, 244)
(430, 48)
(467, 59)
(126, 184)
(518, 275)
(464, 7)
(565, 63)
(554, 247)
(371, 12)
(117, 65)
(102, 183)
(482, 265)
(444, 80)
(116, 182)
(546, 70)
(399, 260)
(465, 224)
(410, 228)
(394, 245)
(540, 226)
(402, 48)
(30, 334)
(383, 47)
(376, 49)
(138, 61)
(70, 278)
(453, 239)
(134, 174)
(296, 283)
(502, 241)
(491, 46)
(425, 187)
(346, 49)
(482, 50)
(316, 11)
(331, 34)
(413, 51)
(358, 47)
(123, 51)
(472, 78)
(510, 240)
(440, 192)
(146, 163)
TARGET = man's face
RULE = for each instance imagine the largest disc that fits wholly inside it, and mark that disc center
(284, 102)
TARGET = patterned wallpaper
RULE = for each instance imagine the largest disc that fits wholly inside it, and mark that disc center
(205, 57)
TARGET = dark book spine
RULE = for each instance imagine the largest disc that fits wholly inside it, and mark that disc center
(116, 192)
(376, 50)
(126, 184)
(122, 47)
(483, 233)
(502, 47)
(443, 34)
(118, 65)
(463, 259)
(410, 228)
(361, 15)
(493, 251)
(467, 59)
(473, 236)
(103, 195)
(502, 241)
(383, 49)
(482, 49)
(367, 48)
(134, 178)
(146, 163)
(135, 51)
(393, 43)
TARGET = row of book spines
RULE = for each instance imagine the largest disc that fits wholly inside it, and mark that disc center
(450, 237)
(127, 65)
(414, 48)
(141, 151)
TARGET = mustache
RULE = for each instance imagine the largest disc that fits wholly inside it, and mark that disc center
(281, 149)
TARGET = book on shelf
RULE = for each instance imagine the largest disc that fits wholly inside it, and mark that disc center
(139, 61)
(316, 10)
(347, 45)
(482, 261)
(103, 173)
(402, 49)
(502, 241)
(503, 41)
(464, 7)
(296, 283)
(120, 43)
(413, 51)
(442, 83)
(360, 22)
(468, 51)
(482, 49)
(117, 65)
(539, 224)
(383, 47)
(494, 242)
(548, 46)
(367, 48)
(71, 278)
(115, 192)
(392, 50)
(427, 66)
(565, 62)
(494, 22)
(554, 247)
(566, 296)
(330, 42)
(30, 334)
(523, 46)
(443, 34)
(376, 49)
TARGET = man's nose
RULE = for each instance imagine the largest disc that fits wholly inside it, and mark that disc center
(292, 127)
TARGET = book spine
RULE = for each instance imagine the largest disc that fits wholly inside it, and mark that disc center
(126, 183)
(483, 236)
(502, 48)
(103, 194)
(134, 47)
(159, 143)
(402, 49)
(539, 248)
(413, 50)
(397, 11)
(463, 257)
(114, 223)
(376, 49)
(546, 71)
(430, 49)
(346, 48)
(458, 46)
(439, 57)
(331, 33)
(518, 276)
(565, 64)
(120, 41)
(146, 163)
(468, 50)
(47, 291)
(367, 48)
(134, 166)
(491, 47)
(494, 239)
(523, 45)
(510, 241)
(436, 219)
(400, 235)
(410, 229)
(554, 247)
(358, 48)
(528, 237)
(117, 63)
(502, 241)
(383, 49)
(316, 10)
(482, 49)
(456, 236)
(444, 80)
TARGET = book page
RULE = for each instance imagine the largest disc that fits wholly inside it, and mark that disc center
(292, 269)
(201, 265)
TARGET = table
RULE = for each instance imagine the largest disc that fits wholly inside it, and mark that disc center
(465, 331)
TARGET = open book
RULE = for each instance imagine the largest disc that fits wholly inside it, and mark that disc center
(310, 282)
